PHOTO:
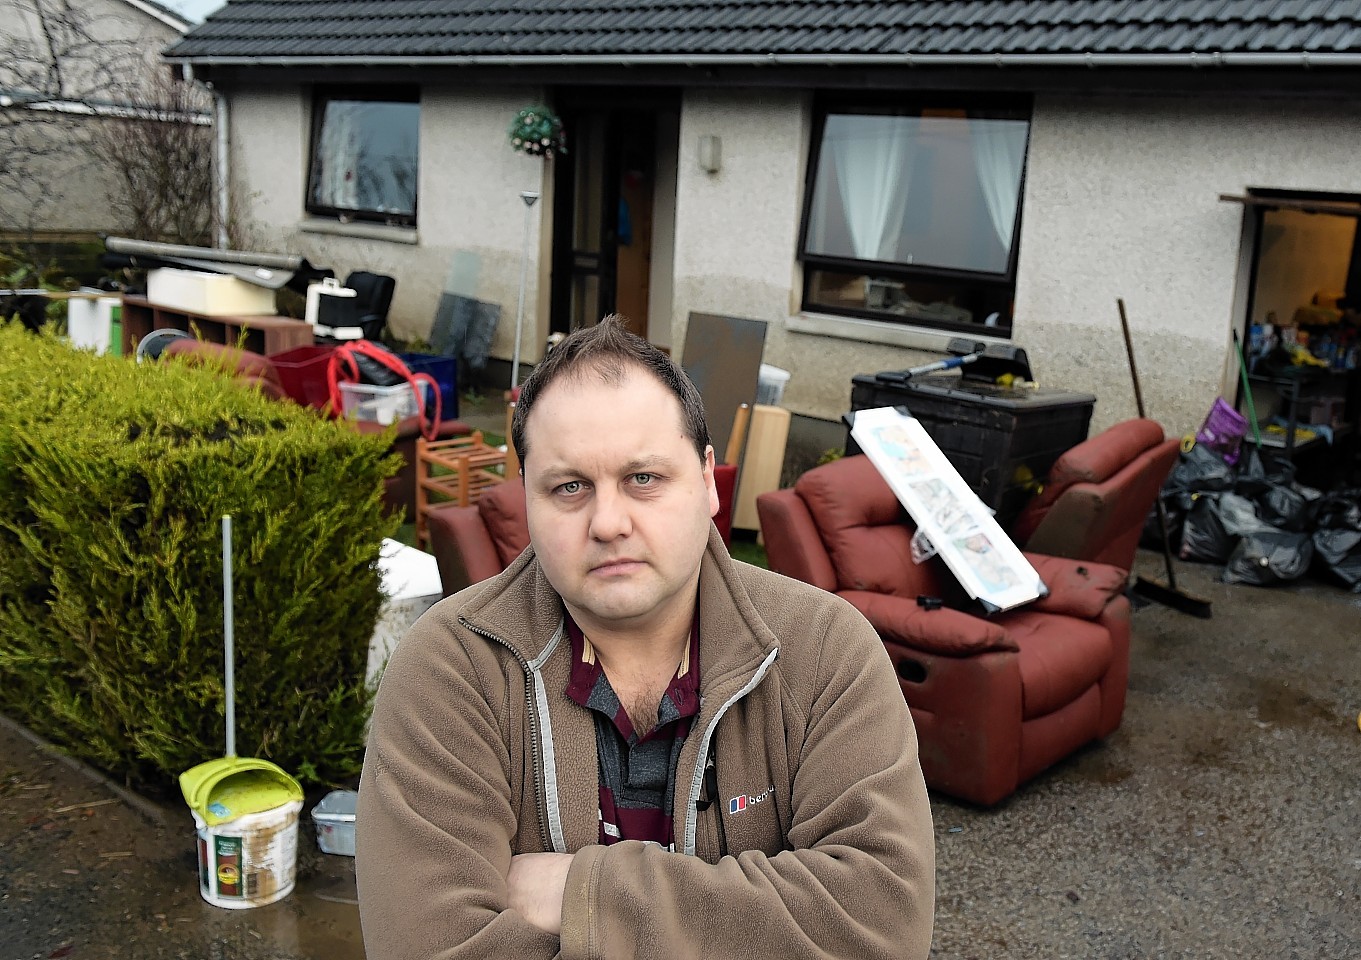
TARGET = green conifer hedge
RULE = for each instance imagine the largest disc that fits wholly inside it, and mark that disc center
(114, 477)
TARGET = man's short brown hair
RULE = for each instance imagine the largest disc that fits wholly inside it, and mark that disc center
(606, 351)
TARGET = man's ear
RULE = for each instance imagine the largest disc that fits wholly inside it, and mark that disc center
(709, 480)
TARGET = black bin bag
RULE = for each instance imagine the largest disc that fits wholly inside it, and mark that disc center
(1337, 537)
(1199, 470)
(1269, 557)
(1203, 537)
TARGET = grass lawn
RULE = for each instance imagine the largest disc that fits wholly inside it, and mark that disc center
(746, 549)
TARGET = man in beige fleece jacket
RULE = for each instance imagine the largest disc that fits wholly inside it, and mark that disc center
(628, 744)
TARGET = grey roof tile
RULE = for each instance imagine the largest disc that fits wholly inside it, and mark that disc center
(612, 29)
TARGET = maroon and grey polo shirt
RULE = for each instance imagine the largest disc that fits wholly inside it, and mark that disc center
(637, 774)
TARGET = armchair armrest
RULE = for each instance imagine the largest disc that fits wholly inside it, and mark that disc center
(1077, 588)
(946, 632)
(793, 546)
(462, 547)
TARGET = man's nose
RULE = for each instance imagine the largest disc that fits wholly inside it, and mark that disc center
(610, 518)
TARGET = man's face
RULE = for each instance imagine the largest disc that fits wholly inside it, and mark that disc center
(618, 501)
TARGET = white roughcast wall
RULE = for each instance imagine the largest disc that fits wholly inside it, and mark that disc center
(1122, 200)
(471, 219)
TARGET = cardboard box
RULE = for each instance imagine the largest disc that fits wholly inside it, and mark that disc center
(207, 294)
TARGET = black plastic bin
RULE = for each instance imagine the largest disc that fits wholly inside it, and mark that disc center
(1002, 440)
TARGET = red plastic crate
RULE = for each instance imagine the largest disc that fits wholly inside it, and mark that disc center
(302, 371)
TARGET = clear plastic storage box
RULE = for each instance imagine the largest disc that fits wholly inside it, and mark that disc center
(385, 405)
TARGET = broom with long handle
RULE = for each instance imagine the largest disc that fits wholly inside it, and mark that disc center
(1168, 596)
(1247, 392)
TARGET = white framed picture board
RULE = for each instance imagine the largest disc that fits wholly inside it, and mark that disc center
(989, 566)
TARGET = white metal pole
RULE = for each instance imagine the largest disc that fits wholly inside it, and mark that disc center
(227, 628)
(529, 197)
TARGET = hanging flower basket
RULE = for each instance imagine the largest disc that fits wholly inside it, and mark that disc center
(538, 132)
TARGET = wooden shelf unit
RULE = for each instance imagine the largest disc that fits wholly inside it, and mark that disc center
(466, 467)
(263, 334)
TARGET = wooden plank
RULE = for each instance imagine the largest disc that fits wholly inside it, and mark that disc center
(764, 461)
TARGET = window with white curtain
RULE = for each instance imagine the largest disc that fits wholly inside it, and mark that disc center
(912, 213)
(365, 156)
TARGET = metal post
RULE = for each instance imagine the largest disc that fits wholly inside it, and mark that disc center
(227, 628)
(529, 197)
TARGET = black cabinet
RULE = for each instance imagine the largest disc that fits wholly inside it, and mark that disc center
(1002, 440)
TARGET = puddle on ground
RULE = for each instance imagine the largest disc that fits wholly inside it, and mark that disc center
(318, 920)
(1280, 704)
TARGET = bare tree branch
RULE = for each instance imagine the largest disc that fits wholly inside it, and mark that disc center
(162, 162)
(83, 100)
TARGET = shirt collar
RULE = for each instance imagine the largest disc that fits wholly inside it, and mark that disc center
(683, 689)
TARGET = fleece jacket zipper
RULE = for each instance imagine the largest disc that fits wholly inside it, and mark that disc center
(531, 681)
(691, 809)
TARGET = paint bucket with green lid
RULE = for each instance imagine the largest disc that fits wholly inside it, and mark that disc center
(246, 816)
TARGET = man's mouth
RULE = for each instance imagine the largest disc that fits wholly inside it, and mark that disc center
(616, 566)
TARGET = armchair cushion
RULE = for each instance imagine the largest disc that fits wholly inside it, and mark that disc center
(793, 546)
(860, 522)
(1077, 588)
(946, 632)
(725, 481)
(503, 511)
(462, 547)
(1059, 659)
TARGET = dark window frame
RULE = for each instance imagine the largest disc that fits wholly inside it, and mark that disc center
(322, 95)
(1007, 107)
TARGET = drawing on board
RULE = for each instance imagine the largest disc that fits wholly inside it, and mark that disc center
(982, 557)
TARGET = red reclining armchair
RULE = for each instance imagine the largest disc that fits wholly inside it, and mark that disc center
(1098, 494)
(995, 700)
(475, 542)
(256, 370)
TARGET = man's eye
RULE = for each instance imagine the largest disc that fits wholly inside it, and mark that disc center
(570, 487)
(643, 479)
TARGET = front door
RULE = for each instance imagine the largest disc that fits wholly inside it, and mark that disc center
(604, 191)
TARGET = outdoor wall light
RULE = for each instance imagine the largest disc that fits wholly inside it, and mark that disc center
(710, 153)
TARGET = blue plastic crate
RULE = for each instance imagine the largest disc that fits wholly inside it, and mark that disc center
(445, 372)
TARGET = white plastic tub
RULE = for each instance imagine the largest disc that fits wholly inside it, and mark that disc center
(90, 324)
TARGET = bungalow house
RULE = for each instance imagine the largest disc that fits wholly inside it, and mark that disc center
(870, 178)
(68, 71)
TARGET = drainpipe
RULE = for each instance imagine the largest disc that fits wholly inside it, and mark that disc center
(220, 166)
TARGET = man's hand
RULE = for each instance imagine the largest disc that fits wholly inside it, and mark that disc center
(535, 886)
